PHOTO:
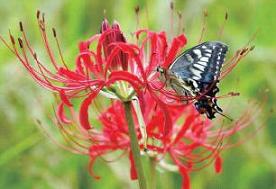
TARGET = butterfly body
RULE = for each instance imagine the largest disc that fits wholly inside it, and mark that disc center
(196, 73)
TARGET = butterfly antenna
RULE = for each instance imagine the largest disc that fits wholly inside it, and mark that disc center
(229, 118)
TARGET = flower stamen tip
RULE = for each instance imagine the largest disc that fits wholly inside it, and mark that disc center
(252, 48)
(21, 26)
(12, 39)
(226, 16)
(38, 14)
(20, 42)
(172, 5)
(54, 32)
(137, 9)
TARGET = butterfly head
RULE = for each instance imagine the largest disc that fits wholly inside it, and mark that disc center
(162, 72)
(160, 69)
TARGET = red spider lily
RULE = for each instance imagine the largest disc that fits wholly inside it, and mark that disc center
(98, 70)
(172, 133)
(193, 144)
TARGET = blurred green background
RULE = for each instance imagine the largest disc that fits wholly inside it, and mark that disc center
(28, 158)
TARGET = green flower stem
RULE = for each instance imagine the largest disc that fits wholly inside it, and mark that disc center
(152, 183)
(135, 146)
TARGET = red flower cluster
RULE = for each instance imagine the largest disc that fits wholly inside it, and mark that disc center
(108, 66)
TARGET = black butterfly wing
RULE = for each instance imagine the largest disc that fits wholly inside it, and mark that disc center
(197, 70)
(201, 63)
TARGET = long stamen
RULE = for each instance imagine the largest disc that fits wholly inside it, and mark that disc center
(204, 26)
(180, 23)
(48, 135)
(137, 11)
(34, 72)
(220, 33)
(171, 18)
(229, 65)
(6, 44)
(59, 49)
(42, 29)
(147, 13)
(31, 50)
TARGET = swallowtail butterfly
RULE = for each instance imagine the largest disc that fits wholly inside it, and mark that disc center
(196, 73)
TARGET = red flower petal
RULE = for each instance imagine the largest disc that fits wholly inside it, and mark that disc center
(125, 76)
(113, 55)
(86, 59)
(83, 46)
(218, 164)
(105, 26)
(133, 52)
(64, 98)
(102, 46)
(70, 74)
(167, 125)
(188, 123)
(177, 43)
(83, 115)
(60, 114)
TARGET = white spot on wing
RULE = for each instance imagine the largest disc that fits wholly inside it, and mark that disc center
(196, 73)
(194, 83)
(196, 77)
(200, 67)
(202, 63)
(204, 59)
(208, 50)
(197, 52)
(208, 54)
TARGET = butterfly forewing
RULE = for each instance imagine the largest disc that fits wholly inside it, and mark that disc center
(201, 63)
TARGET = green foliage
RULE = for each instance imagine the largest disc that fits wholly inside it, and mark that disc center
(28, 158)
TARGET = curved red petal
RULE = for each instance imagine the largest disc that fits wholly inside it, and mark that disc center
(125, 76)
(70, 74)
(60, 114)
(139, 32)
(83, 115)
(167, 127)
(102, 45)
(177, 43)
(132, 51)
(110, 60)
(64, 98)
